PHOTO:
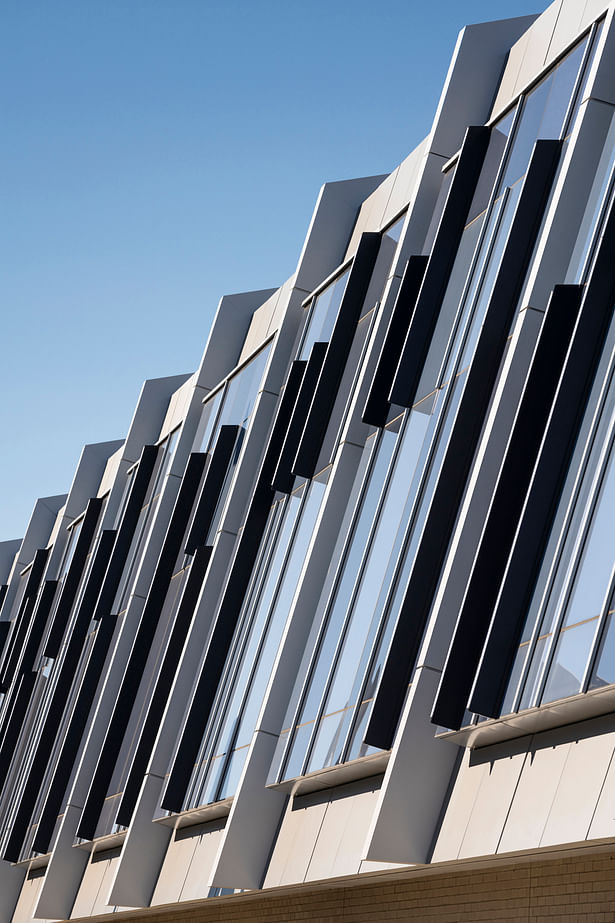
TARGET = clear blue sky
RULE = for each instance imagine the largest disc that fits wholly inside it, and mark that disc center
(156, 154)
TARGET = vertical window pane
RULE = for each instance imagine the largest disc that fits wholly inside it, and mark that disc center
(323, 314)
(604, 671)
(568, 667)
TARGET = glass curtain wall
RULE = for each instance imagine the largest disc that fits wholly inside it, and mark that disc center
(331, 703)
(268, 602)
(276, 574)
(232, 404)
(48, 670)
(567, 629)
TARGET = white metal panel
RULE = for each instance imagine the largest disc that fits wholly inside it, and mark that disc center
(196, 884)
(296, 841)
(24, 911)
(535, 792)
(581, 782)
(540, 35)
(504, 764)
(510, 78)
(459, 808)
(102, 897)
(175, 866)
(567, 28)
(89, 888)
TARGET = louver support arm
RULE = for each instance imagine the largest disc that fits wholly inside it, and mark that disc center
(548, 479)
(336, 356)
(377, 404)
(232, 601)
(439, 267)
(142, 644)
(506, 507)
(461, 447)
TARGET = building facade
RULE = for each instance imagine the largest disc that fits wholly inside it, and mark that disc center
(329, 634)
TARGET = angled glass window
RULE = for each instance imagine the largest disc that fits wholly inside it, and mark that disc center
(322, 314)
(589, 230)
(545, 113)
(333, 707)
(266, 610)
(73, 535)
(231, 405)
(573, 586)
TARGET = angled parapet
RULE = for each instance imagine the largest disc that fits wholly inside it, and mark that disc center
(42, 523)
(110, 472)
(40, 527)
(88, 475)
(389, 197)
(332, 223)
(548, 37)
(265, 321)
(572, 214)
(472, 80)
(85, 485)
(227, 335)
(323, 251)
(178, 407)
(149, 414)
